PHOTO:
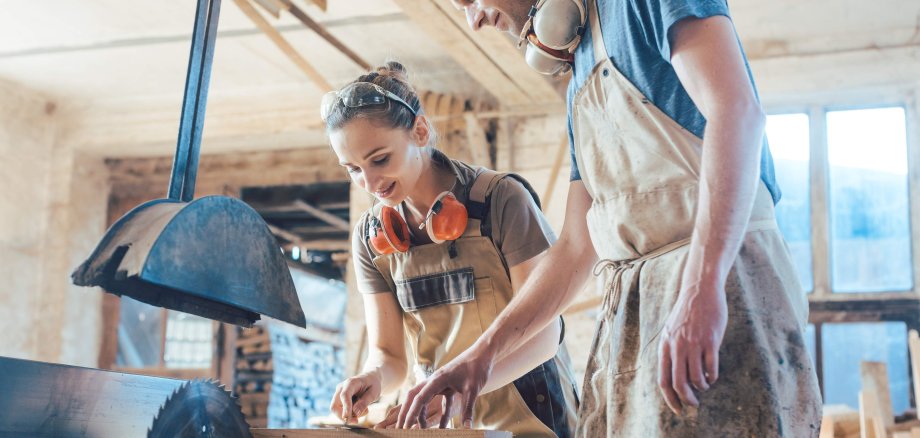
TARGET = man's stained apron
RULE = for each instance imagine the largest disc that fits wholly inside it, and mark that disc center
(642, 171)
(449, 294)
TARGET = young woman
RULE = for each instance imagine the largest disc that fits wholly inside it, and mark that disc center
(436, 259)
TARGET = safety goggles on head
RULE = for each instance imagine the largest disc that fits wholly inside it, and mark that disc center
(371, 97)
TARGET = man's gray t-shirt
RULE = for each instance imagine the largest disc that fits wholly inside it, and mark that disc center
(519, 230)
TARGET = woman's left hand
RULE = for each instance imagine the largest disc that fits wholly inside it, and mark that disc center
(688, 353)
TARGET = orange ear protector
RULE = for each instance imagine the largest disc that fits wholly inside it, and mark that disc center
(446, 220)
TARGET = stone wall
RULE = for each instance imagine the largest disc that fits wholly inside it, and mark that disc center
(51, 212)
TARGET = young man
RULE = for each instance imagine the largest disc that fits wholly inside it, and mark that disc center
(700, 333)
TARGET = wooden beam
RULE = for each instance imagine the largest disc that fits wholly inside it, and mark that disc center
(273, 7)
(323, 33)
(913, 343)
(442, 29)
(284, 234)
(282, 44)
(323, 215)
(870, 420)
(321, 4)
(503, 52)
(818, 177)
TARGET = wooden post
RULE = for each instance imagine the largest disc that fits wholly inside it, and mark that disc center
(913, 342)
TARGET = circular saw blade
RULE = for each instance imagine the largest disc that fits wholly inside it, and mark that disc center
(199, 409)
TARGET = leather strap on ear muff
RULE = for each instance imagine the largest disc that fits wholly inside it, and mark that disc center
(562, 55)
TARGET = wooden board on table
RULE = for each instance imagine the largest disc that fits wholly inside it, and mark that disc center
(395, 433)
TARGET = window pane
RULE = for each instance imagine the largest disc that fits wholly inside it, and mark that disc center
(788, 138)
(846, 345)
(188, 341)
(870, 233)
(139, 334)
(810, 342)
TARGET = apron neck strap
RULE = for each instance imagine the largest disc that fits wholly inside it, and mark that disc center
(597, 37)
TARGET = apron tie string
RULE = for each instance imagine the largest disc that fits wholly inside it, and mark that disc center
(613, 287)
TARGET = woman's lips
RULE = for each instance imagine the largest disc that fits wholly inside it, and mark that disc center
(385, 193)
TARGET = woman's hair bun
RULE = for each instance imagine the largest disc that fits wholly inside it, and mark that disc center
(394, 70)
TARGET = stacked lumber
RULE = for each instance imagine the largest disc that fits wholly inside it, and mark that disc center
(254, 373)
(285, 375)
(306, 373)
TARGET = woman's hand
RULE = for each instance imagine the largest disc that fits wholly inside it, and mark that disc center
(435, 411)
(353, 396)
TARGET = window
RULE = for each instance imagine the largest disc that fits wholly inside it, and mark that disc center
(870, 235)
(187, 342)
(845, 215)
(788, 138)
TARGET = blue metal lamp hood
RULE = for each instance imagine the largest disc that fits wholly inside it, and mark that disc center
(214, 256)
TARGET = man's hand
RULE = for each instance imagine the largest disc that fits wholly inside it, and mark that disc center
(688, 354)
(460, 381)
(436, 410)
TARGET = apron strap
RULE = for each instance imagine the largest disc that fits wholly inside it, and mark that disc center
(613, 287)
(597, 37)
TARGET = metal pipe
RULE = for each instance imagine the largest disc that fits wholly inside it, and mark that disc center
(188, 145)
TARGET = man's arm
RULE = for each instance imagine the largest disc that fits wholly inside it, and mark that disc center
(708, 61)
(552, 286)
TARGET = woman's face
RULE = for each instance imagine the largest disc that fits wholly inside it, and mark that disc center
(386, 162)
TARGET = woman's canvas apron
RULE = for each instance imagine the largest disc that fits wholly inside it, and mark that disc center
(642, 171)
(449, 294)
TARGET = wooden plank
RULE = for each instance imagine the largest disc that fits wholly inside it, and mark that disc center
(874, 378)
(869, 418)
(913, 175)
(324, 34)
(322, 215)
(502, 51)
(820, 215)
(273, 7)
(476, 141)
(913, 343)
(442, 29)
(554, 174)
(321, 4)
(839, 421)
(282, 44)
(395, 433)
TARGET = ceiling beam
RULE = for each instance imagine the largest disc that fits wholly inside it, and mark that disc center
(323, 33)
(503, 53)
(443, 29)
(323, 215)
(282, 44)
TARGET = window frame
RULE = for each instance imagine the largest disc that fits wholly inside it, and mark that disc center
(825, 305)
